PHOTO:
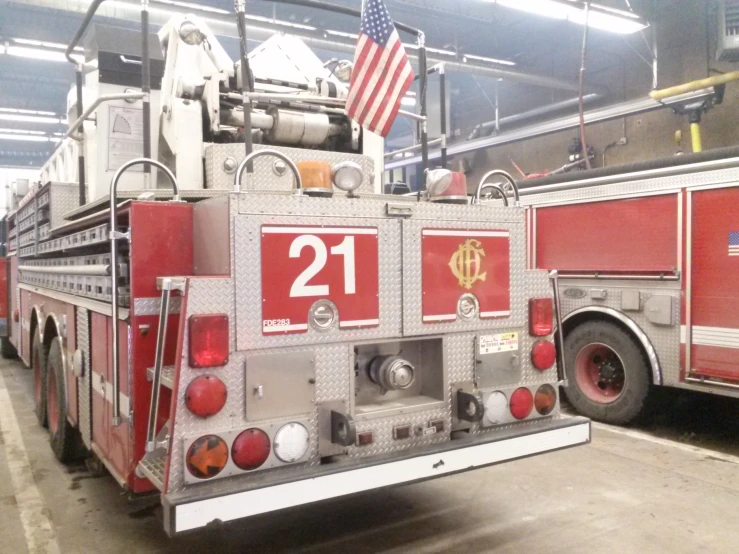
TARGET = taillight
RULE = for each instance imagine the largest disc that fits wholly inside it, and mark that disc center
(522, 402)
(291, 442)
(541, 312)
(545, 399)
(251, 449)
(543, 355)
(207, 456)
(205, 396)
(208, 340)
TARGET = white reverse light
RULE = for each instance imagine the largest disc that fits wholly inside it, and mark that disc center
(496, 409)
(347, 176)
(291, 442)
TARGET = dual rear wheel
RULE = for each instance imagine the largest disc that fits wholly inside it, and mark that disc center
(608, 376)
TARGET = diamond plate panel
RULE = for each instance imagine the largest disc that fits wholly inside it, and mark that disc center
(249, 283)
(412, 283)
(632, 188)
(264, 178)
(64, 198)
(664, 339)
(85, 383)
(151, 306)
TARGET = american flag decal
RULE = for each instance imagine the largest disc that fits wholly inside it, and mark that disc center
(382, 73)
(734, 243)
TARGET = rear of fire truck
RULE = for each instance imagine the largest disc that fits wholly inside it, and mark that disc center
(287, 335)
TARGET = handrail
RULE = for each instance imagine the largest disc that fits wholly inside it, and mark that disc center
(266, 152)
(92, 107)
(500, 173)
(94, 5)
(498, 188)
(114, 237)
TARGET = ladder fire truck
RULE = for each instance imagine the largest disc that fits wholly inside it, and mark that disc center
(648, 256)
(249, 332)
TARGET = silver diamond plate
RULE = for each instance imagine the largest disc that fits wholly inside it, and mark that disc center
(249, 283)
(264, 178)
(64, 197)
(151, 306)
(665, 339)
(83, 344)
(635, 188)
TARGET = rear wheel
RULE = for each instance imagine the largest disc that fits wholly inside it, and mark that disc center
(61, 433)
(607, 373)
(38, 365)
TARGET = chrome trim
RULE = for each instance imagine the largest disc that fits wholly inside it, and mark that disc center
(709, 382)
(534, 265)
(688, 279)
(629, 277)
(80, 301)
(680, 231)
(529, 201)
(631, 324)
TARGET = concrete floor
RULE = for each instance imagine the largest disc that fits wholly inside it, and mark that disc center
(626, 492)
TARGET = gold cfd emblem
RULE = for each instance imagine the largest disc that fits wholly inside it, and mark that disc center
(466, 263)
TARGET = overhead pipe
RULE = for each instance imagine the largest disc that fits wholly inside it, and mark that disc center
(530, 114)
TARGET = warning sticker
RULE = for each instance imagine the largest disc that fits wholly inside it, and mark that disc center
(125, 136)
(503, 342)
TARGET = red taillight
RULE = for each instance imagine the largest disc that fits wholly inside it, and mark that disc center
(205, 396)
(541, 312)
(251, 449)
(207, 456)
(522, 401)
(543, 355)
(545, 399)
(208, 340)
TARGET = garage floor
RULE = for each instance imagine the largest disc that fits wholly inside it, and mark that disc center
(626, 492)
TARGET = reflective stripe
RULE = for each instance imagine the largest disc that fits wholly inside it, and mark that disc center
(722, 337)
(105, 389)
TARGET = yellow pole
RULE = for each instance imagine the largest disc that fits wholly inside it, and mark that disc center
(694, 85)
(695, 135)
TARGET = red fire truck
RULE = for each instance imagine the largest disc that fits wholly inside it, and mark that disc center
(649, 265)
(249, 332)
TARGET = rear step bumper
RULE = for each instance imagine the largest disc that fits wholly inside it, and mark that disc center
(197, 508)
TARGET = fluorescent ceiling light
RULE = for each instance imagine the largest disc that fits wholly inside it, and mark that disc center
(27, 138)
(26, 112)
(36, 53)
(43, 44)
(405, 101)
(599, 17)
(31, 118)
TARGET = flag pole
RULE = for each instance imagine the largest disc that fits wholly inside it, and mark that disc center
(240, 6)
(422, 81)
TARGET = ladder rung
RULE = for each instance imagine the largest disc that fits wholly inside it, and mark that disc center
(167, 379)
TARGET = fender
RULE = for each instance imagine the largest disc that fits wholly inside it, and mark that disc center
(634, 328)
(52, 329)
(38, 313)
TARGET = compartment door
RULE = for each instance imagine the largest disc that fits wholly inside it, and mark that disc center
(714, 307)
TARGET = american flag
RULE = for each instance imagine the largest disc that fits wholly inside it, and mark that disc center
(734, 243)
(382, 73)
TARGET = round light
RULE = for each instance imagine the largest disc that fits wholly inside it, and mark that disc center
(347, 176)
(543, 355)
(496, 409)
(205, 396)
(250, 449)
(545, 399)
(190, 34)
(291, 442)
(522, 402)
(207, 457)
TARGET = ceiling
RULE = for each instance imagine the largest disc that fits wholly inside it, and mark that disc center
(538, 46)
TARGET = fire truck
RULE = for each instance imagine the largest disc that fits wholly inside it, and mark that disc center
(648, 256)
(239, 320)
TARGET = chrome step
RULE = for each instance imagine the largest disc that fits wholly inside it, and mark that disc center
(167, 375)
(152, 468)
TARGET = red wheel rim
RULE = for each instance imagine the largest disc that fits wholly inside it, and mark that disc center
(37, 380)
(599, 373)
(52, 402)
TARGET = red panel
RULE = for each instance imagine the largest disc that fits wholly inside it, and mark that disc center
(3, 288)
(99, 364)
(301, 265)
(119, 445)
(460, 261)
(633, 235)
(161, 244)
(715, 277)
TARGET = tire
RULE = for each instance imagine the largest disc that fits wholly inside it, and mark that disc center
(62, 436)
(7, 350)
(607, 373)
(38, 366)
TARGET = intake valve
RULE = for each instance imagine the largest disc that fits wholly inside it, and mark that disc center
(392, 372)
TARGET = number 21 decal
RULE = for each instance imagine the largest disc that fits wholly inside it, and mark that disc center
(301, 287)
